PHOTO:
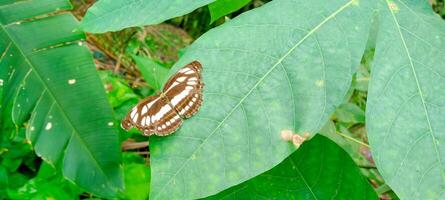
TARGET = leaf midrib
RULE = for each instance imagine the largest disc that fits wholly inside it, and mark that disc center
(427, 116)
(279, 61)
(55, 100)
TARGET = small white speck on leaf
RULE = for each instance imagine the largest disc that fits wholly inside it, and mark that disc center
(80, 43)
(110, 123)
(48, 126)
(72, 81)
(1, 82)
(32, 128)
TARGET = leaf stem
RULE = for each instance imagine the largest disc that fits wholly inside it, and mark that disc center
(353, 139)
(383, 189)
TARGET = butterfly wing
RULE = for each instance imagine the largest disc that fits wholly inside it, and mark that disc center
(153, 115)
(162, 114)
(184, 90)
(169, 123)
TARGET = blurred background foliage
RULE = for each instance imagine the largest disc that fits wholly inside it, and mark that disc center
(124, 60)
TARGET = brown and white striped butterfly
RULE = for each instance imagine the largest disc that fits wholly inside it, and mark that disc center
(162, 114)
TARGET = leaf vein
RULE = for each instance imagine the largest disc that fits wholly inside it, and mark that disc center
(422, 98)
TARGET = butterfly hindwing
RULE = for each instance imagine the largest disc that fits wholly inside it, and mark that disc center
(149, 116)
(169, 123)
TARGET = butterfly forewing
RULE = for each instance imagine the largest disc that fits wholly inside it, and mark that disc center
(183, 90)
(162, 114)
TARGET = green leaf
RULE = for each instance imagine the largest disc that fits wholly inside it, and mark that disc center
(262, 75)
(356, 149)
(118, 92)
(320, 169)
(222, 8)
(17, 180)
(49, 78)
(3, 178)
(152, 72)
(114, 15)
(137, 178)
(350, 113)
(137, 181)
(405, 109)
(46, 185)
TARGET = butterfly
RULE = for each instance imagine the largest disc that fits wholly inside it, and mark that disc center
(163, 114)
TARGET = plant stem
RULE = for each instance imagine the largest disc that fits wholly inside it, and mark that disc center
(353, 139)
(383, 189)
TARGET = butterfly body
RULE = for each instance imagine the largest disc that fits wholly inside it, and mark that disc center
(163, 114)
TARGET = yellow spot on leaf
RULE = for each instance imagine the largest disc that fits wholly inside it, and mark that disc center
(319, 83)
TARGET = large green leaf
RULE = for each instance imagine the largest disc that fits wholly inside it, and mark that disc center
(406, 97)
(320, 169)
(264, 72)
(114, 15)
(49, 78)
